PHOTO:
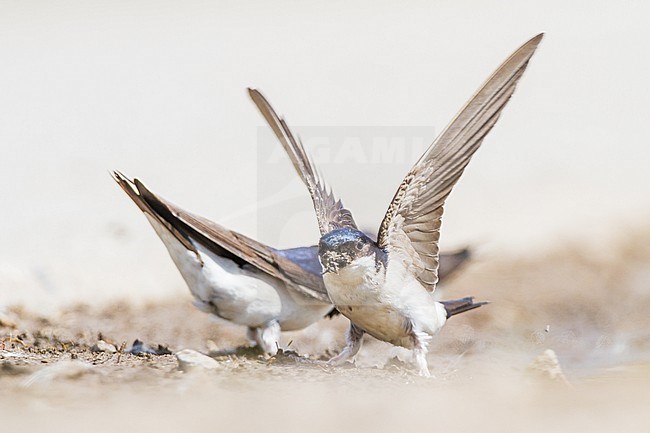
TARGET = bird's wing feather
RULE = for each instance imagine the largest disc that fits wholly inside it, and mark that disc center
(412, 222)
(259, 255)
(129, 187)
(190, 228)
(330, 212)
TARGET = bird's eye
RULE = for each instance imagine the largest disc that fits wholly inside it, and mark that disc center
(359, 245)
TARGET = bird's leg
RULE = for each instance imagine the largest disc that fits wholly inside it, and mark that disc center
(268, 337)
(420, 352)
(421, 361)
(353, 339)
(251, 335)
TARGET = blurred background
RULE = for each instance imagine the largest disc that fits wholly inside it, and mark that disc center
(554, 206)
(157, 89)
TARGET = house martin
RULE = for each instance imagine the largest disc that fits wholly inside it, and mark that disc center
(385, 286)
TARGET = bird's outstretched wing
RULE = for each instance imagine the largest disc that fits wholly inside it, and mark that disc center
(192, 230)
(412, 222)
(330, 212)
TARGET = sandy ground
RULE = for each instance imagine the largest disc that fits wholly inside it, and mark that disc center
(564, 346)
(156, 89)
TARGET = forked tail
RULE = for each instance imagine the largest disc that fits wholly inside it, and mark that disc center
(458, 306)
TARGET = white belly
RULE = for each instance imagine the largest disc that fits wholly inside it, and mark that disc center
(243, 295)
(389, 307)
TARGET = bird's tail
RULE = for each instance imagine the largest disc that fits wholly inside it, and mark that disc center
(450, 262)
(458, 306)
(154, 206)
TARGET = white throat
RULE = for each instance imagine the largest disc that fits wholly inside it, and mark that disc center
(355, 282)
(361, 270)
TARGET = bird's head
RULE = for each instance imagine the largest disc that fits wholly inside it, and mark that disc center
(342, 247)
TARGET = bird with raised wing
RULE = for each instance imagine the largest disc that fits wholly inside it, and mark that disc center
(385, 287)
(236, 278)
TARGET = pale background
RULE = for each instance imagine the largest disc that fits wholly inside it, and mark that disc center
(157, 89)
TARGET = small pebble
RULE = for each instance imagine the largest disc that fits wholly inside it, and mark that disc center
(140, 348)
(192, 360)
(102, 346)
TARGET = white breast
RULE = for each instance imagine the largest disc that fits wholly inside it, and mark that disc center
(387, 306)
